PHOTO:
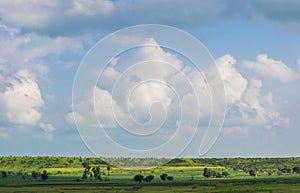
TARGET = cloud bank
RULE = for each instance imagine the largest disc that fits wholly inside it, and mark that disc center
(77, 17)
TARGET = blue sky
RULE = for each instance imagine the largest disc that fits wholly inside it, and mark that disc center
(255, 45)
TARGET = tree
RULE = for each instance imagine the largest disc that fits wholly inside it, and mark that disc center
(85, 174)
(138, 178)
(108, 170)
(4, 174)
(163, 177)
(44, 175)
(296, 169)
(148, 178)
(87, 169)
(96, 172)
(170, 178)
(35, 174)
(252, 173)
(225, 174)
(213, 174)
(86, 164)
(269, 173)
(206, 173)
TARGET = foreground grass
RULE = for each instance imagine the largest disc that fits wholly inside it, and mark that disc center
(284, 184)
(67, 185)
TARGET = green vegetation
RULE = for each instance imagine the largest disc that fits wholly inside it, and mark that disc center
(76, 174)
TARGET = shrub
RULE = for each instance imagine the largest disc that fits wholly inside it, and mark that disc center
(44, 175)
(170, 178)
(138, 178)
(163, 177)
(148, 178)
(4, 174)
(35, 174)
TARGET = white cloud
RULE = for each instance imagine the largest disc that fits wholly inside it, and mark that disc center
(249, 105)
(47, 127)
(261, 108)
(25, 62)
(235, 84)
(124, 88)
(113, 61)
(105, 106)
(31, 50)
(135, 90)
(108, 77)
(143, 99)
(61, 16)
(21, 99)
(267, 68)
(97, 102)
(91, 8)
(78, 16)
(203, 92)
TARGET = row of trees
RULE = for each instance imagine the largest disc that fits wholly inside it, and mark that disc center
(285, 170)
(140, 178)
(35, 175)
(95, 172)
(211, 173)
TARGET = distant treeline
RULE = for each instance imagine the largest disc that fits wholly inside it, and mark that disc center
(285, 165)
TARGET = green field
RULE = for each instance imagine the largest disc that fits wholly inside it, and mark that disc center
(65, 174)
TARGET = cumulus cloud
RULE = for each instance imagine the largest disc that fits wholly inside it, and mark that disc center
(25, 63)
(133, 98)
(105, 106)
(235, 84)
(102, 104)
(127, 97)
(109, 76)
(248, 104)
(21, 99)
(76, 17)
(268, 68)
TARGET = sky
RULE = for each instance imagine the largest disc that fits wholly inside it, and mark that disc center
(49, 107)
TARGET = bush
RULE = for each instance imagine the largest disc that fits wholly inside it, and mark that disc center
(35, 174)
(206, 173)
(163, 177)
(44, 175)
(170, 178)
(4, 174)
(252, 173)
(225, 174)
(138, 178)
(148, 178)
